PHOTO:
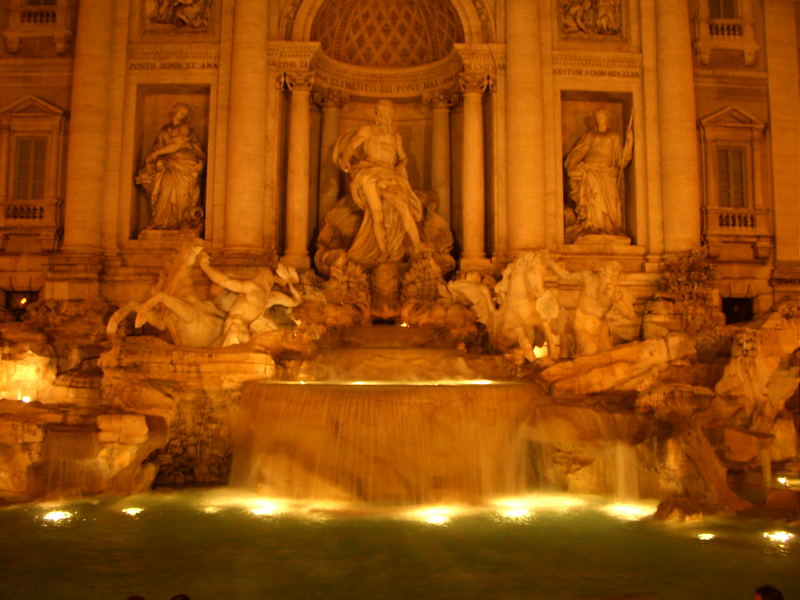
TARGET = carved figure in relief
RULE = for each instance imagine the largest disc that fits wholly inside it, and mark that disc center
(172, 172)
(591, 17)
(249, 313)
(181, 13)
(175, 305)
(373, 155)
(594, 166)
(600, 293)
(522, 313)
(607, 22)
(576, 13)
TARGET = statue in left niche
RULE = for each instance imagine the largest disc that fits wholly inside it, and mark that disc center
(181, 13)
(171, 177)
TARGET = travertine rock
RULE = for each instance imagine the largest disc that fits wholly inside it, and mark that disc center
(625, 367)
(190, 394)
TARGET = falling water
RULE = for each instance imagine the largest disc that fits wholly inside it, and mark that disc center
(626, 471)
(766, 467)
(389, 443)
(69, 462)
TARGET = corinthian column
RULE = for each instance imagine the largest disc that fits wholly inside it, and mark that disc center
(524, 129)
(331, 103)
(473, 219)
(441, 103)
(680, 176)
(247, 123)
(86, 152)
(299, 84)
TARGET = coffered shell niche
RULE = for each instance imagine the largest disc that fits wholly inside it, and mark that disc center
(388, 48)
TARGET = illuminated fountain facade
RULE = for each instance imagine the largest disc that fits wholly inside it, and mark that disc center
(399, 252)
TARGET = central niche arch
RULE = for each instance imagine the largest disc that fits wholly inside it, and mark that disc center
(472, 16)
(387, 33)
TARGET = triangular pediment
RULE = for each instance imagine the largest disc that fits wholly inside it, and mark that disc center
(31, 105)
(731, 116)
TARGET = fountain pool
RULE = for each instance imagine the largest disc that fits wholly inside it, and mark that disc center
(212, 544)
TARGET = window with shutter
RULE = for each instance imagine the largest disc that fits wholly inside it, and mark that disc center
(30, 167)
(731, 179)
(723, 9)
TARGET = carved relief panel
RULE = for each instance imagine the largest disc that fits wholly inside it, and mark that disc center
(591, 19)
(171, 159)
(157, 20)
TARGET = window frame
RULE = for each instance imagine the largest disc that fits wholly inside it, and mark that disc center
(14, 163)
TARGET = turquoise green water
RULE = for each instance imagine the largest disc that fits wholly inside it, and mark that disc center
(209, 545)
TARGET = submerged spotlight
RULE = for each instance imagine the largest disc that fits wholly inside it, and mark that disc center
(629, 512)
(56, 516)
(778, 537)
(132, 510)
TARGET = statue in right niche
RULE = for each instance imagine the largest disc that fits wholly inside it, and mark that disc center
(594, 167)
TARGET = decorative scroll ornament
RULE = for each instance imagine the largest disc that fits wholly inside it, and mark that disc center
(475, 83)
(296, 81)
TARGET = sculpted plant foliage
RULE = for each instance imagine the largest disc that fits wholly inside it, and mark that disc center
(689, 281)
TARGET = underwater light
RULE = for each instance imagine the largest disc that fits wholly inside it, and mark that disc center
(778, 537)
(515, 506)
(210, 510)
(56, 516)
(132, 510)
(265, 508)
(705, 536)
(434, 515)
(783, 481)
(629, 512)
(515, 513)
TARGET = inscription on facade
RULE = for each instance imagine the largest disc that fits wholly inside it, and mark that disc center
(595, 72)
(171, 66)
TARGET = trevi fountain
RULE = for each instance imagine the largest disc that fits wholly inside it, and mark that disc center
(385, 299)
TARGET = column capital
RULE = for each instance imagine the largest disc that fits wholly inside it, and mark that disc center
(298, 80)
(330, 98)
(475, 82)
(440, 99)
